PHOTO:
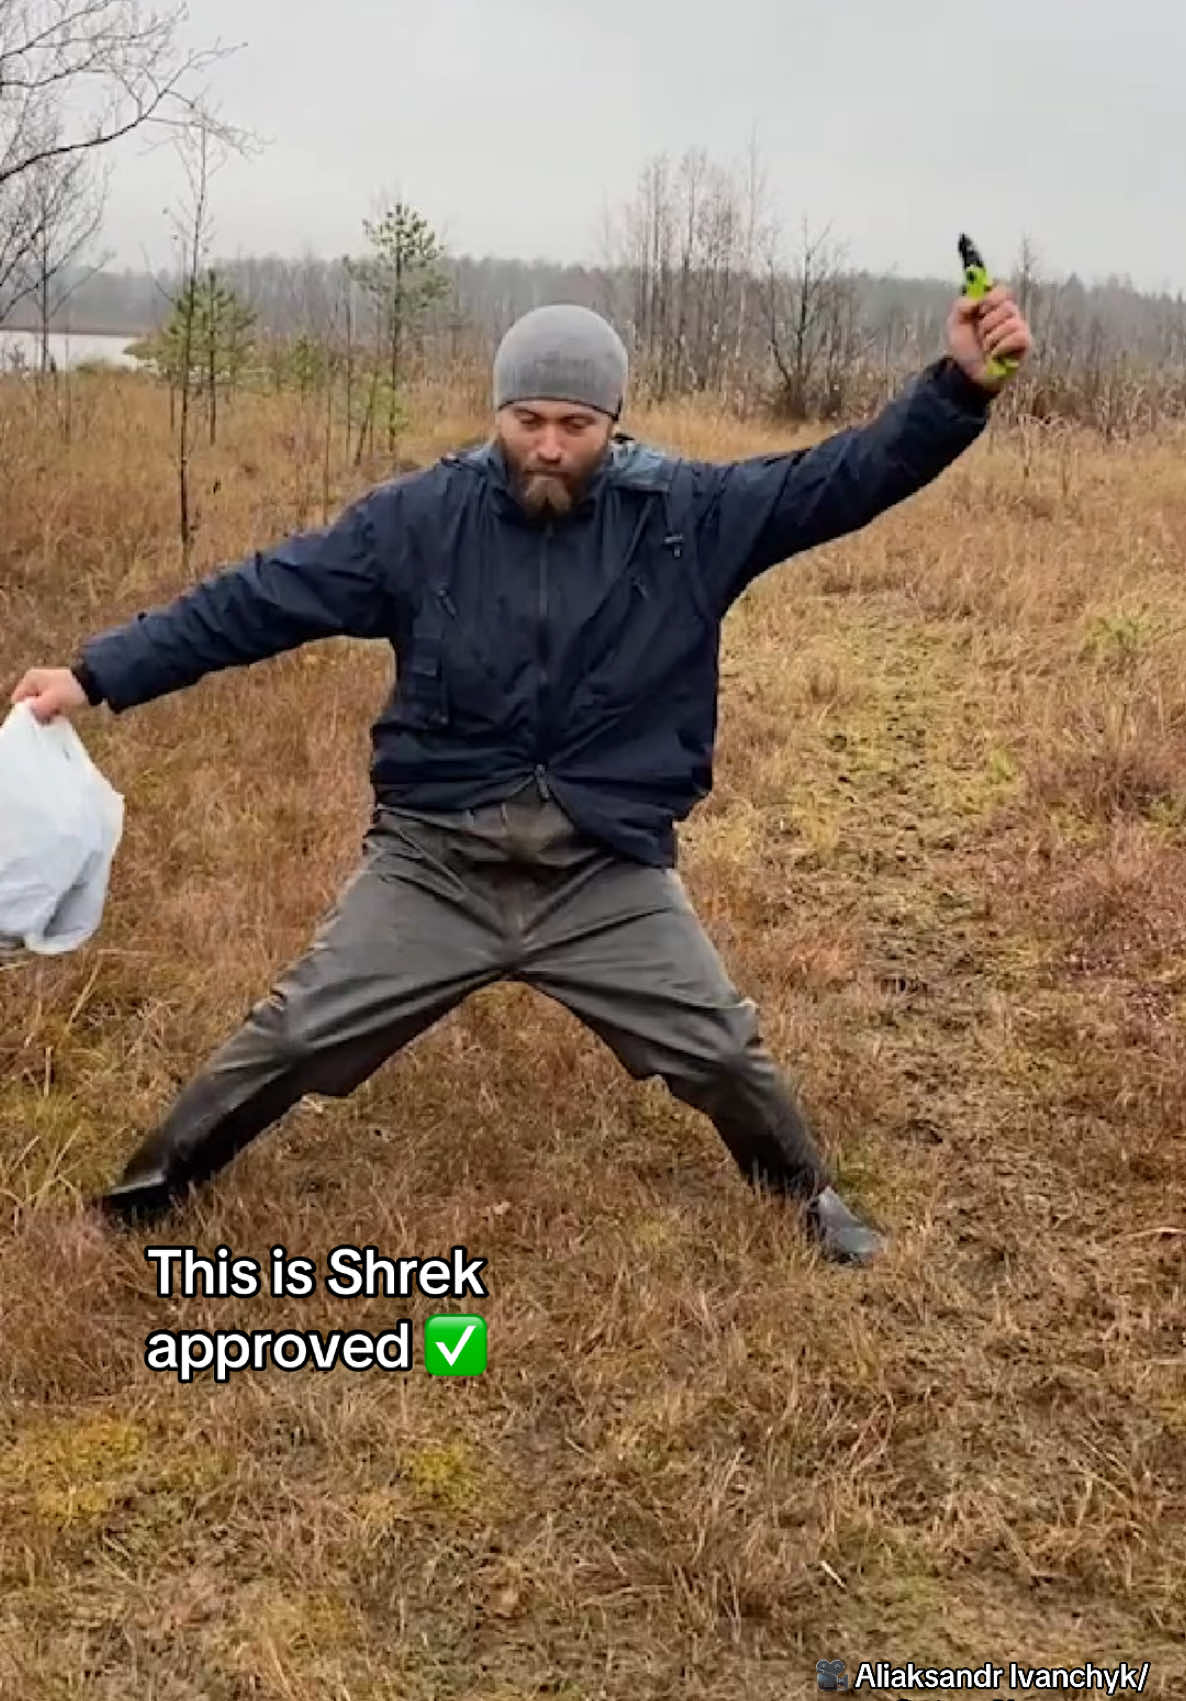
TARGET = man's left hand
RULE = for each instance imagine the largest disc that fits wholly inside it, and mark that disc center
(979, 330)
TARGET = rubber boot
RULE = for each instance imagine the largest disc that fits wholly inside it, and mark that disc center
(146, 1191)
(839, 1232)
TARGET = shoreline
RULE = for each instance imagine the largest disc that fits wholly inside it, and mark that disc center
(76, 331)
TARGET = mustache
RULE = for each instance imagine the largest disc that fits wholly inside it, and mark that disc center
(550, 472)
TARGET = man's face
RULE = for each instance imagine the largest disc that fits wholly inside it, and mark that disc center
(552, 450)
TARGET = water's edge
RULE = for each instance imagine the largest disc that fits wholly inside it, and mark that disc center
(66, 349)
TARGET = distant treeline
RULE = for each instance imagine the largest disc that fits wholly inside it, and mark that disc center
(712, 300)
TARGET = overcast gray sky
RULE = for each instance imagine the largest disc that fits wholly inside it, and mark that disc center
(509, 123)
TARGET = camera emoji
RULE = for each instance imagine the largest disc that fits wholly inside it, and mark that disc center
(827, 1675)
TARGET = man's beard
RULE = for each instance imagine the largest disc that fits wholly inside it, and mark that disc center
(548, 494)
(544, 495)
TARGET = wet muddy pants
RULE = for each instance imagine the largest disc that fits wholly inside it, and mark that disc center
(443, 904)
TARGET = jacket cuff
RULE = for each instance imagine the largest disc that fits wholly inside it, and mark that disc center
(87, 680)
(954, 383)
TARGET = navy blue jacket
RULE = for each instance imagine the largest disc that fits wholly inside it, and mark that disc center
(584, 650)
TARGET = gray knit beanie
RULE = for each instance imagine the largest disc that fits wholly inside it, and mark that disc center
(562, 354)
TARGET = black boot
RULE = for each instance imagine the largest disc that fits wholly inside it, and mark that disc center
(839, 1232)
(141, 1202)
(147, 1190)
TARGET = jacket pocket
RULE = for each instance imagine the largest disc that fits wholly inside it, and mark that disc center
(422, 699)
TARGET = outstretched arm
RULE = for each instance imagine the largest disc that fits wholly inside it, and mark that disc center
(771, 507)
(317, 584)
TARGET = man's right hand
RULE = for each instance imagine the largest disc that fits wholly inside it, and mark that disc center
(50, 691)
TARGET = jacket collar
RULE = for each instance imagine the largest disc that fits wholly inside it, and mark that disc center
(627, 465)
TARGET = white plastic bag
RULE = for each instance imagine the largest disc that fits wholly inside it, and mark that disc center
(60, 824)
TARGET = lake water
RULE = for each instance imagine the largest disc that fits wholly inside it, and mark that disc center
(66, 349)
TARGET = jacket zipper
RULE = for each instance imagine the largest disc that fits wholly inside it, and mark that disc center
(540, 772)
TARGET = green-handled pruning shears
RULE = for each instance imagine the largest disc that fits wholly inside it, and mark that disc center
(977, 284)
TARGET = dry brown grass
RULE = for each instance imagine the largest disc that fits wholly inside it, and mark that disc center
(943, 854)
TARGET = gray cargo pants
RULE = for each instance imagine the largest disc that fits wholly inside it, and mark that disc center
(443, 904)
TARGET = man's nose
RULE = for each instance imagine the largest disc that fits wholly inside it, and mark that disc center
(549, 449)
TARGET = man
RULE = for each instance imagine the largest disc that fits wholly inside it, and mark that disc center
(554, 602)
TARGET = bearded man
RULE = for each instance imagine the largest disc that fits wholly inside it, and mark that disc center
(554, 602)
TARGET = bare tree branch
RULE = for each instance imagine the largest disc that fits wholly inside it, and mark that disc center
(70, 196)
(100, 69)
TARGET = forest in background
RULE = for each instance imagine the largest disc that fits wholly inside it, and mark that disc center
(712, 297)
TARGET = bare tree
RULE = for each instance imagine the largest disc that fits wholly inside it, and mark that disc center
(686, 244)
(807, 307)
(650, 240)
(843, 345)
(78, 74)
(693, 170)
(69, 194)
(1027, 286)
(196, 148)
(346, 287)
(19, 226)
(719, 230)
(756, 232)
